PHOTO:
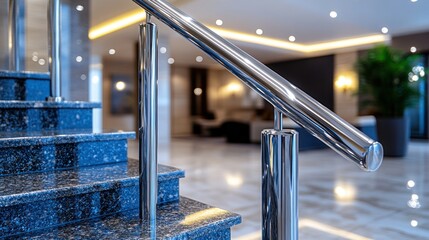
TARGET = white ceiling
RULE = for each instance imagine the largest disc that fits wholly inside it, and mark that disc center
(307, 20)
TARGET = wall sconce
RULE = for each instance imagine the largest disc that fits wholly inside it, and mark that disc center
(344, 84)
(234, 88)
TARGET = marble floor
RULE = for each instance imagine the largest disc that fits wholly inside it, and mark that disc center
(336, 199)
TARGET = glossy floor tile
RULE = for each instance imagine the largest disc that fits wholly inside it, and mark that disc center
(336, 199)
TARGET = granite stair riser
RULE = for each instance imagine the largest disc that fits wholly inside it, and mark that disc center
(186, 219)
(38, 210)
(38, 119)
(35, 154)
(24, 86)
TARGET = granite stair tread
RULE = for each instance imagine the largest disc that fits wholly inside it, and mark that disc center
(26, 152)
(23, 188)
(185, 219)
(30, 202)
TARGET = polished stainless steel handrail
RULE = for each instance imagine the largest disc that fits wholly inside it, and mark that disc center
(284, 96)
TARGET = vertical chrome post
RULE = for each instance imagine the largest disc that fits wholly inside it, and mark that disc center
(16, 38)
(278, 120)
(279, 182)
(54, 45)
(148, 119)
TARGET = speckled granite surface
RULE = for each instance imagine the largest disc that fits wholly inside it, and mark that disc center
(24, 86)
(24, 75)
(33, 201)
(54, 150)
(36, 116)
(186, 219)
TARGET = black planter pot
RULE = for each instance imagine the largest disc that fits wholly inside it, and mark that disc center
(394, 135)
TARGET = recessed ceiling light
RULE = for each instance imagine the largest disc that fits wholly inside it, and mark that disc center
(163, 50)
(79, 59)
(259, 31)
(79, 8)
(413, 0)
(170, 60)
(219, 22)
(35, 58)
(414, 223)
(333, 14)
(112, 51)
(199, 59)
(413, 49)
(83, 77)
(384, 30)
(292, 38)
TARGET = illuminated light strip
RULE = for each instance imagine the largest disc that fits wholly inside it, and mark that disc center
(312, 224)
(117, 23)
(304, 48)
(351, 42)
(256, 39)
(139, 15)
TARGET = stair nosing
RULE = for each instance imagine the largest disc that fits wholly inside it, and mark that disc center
(64, 138)
(48, 105)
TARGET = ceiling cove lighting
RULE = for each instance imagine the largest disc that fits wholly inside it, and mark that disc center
(132, 17)
(304, 48)
(117, 23)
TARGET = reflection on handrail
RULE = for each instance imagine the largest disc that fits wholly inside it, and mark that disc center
(291, 101)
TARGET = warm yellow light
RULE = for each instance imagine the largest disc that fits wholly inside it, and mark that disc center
(344, 192)
(234, 87)
(343, 43)
(343, 234)
(304, 48)
(117, 23)
(136, 16)
(234, 180)
(344, 83)
(250, 38)
(331, 230)
(203, 215)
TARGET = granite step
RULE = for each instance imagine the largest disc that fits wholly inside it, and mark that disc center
(23, 152)
(29, 202)
(186, 219)
(42, 115)
(24, 86)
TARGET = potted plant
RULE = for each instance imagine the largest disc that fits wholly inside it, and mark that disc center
(385, 75)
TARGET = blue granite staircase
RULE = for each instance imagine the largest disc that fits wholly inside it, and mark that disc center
(59, 179)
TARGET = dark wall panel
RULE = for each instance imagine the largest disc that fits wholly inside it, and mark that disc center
(314, 76)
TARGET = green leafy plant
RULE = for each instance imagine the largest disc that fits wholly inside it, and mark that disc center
(384, 78)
